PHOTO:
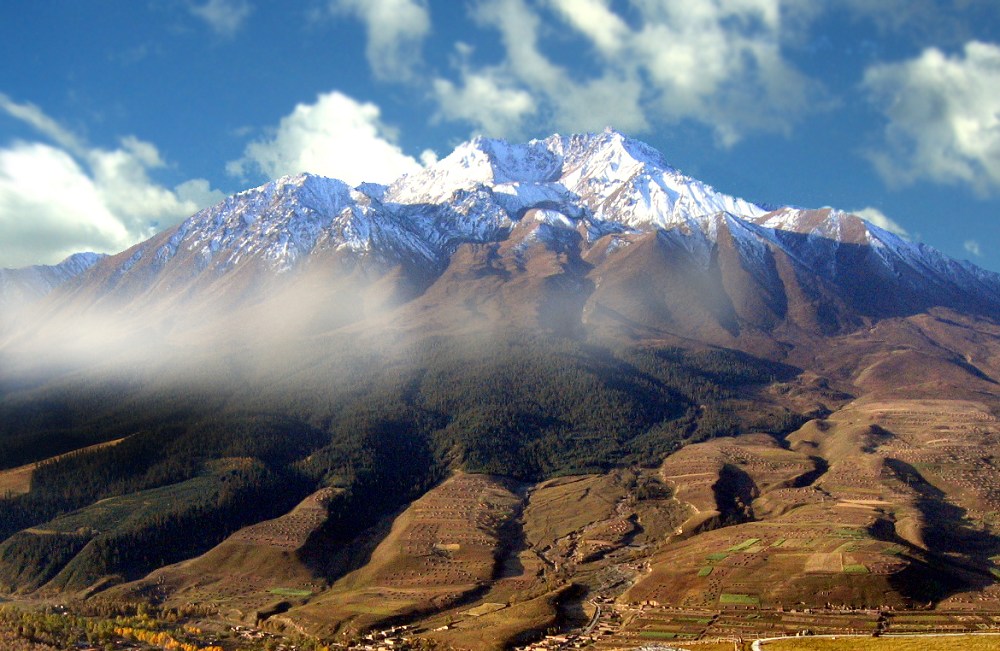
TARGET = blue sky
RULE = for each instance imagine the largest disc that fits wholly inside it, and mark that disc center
(120, 118)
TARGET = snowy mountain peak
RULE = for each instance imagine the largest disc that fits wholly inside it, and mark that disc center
(605, 177)
(609, 145)
(831, 224)
(602, 182)
(479, 162)
(561, 193)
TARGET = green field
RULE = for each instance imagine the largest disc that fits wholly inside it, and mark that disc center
(746, 544)
(290, 592)
(120, 512)
(849, 533)
(731, 599)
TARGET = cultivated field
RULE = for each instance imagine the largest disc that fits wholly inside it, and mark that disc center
(949, 643)
(443, 551)
(250, 572)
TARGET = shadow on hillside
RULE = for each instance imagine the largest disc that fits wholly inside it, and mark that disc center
(959, 553)
(734, 493)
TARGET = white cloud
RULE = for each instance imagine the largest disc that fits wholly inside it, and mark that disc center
(501, 99)
(42, 225)
(716, 62)
(485, 99)
(58, 200)
(198, 192)
(518, 25)
(880, 219)
(396, 29)
(36, 118)
(972, 246)
(721, 63)
(337, 137)
(224, 17)
(428, 157)
(944, 117)
(595, 19)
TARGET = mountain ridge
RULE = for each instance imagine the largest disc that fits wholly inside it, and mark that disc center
(22, 286)
(601, 191)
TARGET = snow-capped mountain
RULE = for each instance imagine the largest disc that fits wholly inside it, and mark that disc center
(578, 224)
(603, 183)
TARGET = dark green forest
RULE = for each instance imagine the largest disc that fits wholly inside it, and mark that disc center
(384, 427)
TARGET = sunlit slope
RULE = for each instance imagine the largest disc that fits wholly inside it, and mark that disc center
(898, 511)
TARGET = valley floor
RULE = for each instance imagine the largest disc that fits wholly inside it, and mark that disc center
(620, 627)
(612, 627)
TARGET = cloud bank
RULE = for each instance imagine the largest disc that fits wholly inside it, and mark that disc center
(336, 136)
(61, 198)
(714, 62)
(943, 117)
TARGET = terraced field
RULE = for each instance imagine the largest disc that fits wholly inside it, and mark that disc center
(853, 524)
(444, 550)
(249, 573)
(691, 629)
(842, 517)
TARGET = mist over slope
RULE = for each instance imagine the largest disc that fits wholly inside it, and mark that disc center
(22, 287)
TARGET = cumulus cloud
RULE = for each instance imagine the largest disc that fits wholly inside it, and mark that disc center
(336, 136)
(721, 63)
(880, 219)
(224, 17)
(485, 98)
(396, 29)
(972, 246)
(943, 117)
(61, 198)
(715, 62)
(501, 99)
(594, 18)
